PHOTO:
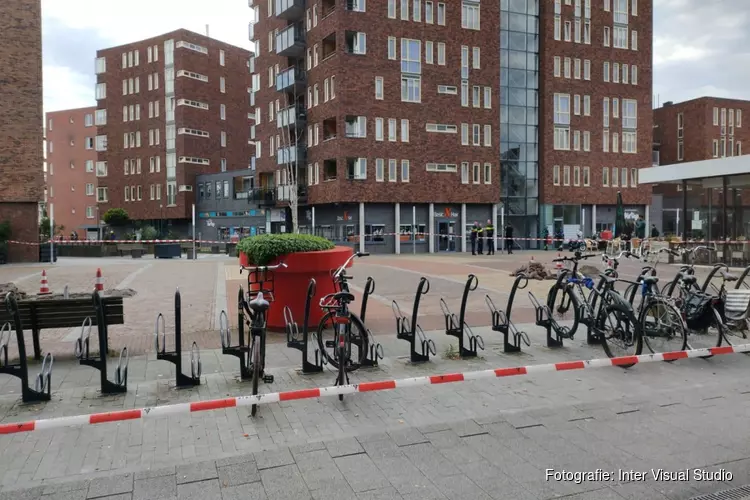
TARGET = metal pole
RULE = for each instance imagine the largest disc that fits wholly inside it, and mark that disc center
(502, 224)
(194, 231)
(51, 233)
(414, 228)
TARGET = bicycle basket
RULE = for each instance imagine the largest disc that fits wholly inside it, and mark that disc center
(698, 313)
(736, 305)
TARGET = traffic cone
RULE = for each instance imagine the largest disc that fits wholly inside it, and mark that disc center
(99, 281)
(43, 285)
(558, 264)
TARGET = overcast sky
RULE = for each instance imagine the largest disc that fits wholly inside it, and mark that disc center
(701, 47)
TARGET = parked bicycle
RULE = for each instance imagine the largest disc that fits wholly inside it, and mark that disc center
(342, 336)
(260, 285)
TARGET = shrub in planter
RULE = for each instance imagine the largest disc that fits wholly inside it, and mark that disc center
(265, 248)
(307, 257)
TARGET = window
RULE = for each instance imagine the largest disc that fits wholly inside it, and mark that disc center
(615, 142)
(576, 176)
(624, 179)
(587, 140)
(633, 7)
(101, 91)
(620, 13)
(566, 175)
(633, 177)
(576, 140)
(392, 164)
(488, 173)
(464, 134)
(404, 170)
(470, 15)
(605, 177)
(605, 111)
(586, 176)
(634, 40)
(441, 14)
(428, 13)
(441, 53)
(488, 135)
(378, 87)
(100, 66)
(476, 96)
(558, 27)
(411, 56)
(429, 52)
(586, 69)
(464, 173)
(620, 37)
(404, 130)
(417, 11)
(404, 10)
(629, 142)
(392, 130)
(222, 85)
(475, 58)
(101, 194)
(568, 31)
(606, 36)
(475, 173)
(629, 114)
(634, 74)
(378, 129)
(222, 61)
(556, 66)
(465, 93)
(89, 143)
(356, 42)
(223, 111)
(392, 47)
(223, 139)
(562, 121)
(680, 151)
(476, 135)
(615, 72)
(605, 71)
(487, 97)
(615, 178)
(100, 143)
(566, 67)
(556, 175)
(391, 9)
(411, 88)
(357, 168)
(587, 105)
(441, 167)
(716, 148)
(605, 140)
(379, 169)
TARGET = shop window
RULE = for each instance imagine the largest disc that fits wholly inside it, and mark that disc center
(375, 233)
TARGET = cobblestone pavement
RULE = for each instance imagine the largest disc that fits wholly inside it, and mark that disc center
(485, 439)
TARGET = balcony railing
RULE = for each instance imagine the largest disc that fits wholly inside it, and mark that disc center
(291, 41)
(290, 10)
(292, 154)
(291, 79)
(293, 116)
(263, 197)
(283, 193)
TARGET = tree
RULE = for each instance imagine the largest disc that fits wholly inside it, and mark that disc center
(116, 217)
(291, 136)
(44, 229)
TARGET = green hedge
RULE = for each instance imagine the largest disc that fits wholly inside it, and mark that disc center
(264, 248)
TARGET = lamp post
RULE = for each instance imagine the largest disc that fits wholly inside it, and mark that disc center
(98, 224)
(161, 220)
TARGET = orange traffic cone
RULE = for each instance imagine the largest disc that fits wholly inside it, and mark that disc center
(43, 285)
(99, 281)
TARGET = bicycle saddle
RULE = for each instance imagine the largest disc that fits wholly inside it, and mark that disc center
(727, 276)
(259, 304)
(343, 297)
(651, 280)
(688, 279)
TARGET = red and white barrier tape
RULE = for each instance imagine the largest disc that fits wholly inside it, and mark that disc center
(384, 385)
(371, 238)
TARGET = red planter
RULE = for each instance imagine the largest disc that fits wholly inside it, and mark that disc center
(290, 283)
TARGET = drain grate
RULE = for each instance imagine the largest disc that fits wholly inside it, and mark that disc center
(741, 493)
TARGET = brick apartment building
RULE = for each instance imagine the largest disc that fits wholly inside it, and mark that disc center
(405, 103)
(700, 129)
(595, 119)
(393, 113)
(174, 106)
(21, 130)
(71, 170)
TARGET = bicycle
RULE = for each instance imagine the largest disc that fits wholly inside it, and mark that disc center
(686, 274)
(256, 309)
(348, 329)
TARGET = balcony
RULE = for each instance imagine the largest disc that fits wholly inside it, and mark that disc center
(262, 197)
(290, 10)
(292, 154)
(293, 80)
(283, 193)
(293, 116)
(291, 41)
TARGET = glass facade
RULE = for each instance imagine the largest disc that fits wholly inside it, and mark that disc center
(519, 115)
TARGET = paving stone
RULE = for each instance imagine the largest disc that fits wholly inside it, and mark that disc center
(233, 475)
(251, 491)
(66, 495)
(199, 490)
(284, 482)
(155, 488)
(34, 493)
(66, 486)
(161, 471)
(344, 447)
(361, 473)
(275, 458)
(113, 485)
(200, 471)
(388, 493)
(407, 437)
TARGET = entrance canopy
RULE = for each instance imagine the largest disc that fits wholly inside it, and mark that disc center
(707, 173)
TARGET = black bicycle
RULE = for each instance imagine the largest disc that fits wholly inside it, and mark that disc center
(260, 285)
(345, 330)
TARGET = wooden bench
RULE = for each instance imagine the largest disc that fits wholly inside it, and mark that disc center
(38, 315)
(134, 249)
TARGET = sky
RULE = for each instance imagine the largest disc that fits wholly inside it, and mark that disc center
(701, 47)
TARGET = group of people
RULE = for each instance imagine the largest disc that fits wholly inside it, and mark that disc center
(481, 233)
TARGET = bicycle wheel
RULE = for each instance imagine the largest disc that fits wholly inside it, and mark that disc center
(707, 333)
(662, 326)
(256, 372)
(620, 332)
(561, 301)
(356, 348)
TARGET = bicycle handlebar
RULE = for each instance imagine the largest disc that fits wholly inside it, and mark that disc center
(575, 258)
(341, 269)
(262, 268)
(624, 253)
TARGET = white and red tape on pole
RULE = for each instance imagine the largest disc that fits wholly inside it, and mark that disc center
(384, 385)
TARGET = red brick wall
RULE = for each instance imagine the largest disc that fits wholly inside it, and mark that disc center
(21, 133)
(355, 95)
(598, 89)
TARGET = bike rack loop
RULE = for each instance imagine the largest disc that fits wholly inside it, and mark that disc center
(42, 385)
(82, 351)
(375, 352)
(456, 326)
(545, 319)
(175, 357)
(292, 333)
(741, 279)
(501, 320)
(411, 331)
(240, 351)
(719, 266)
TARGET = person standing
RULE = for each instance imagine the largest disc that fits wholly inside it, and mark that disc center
(509, 238)
(640, 228)
(480, 239)
(474, 233)
(654, 231)
(489, 233)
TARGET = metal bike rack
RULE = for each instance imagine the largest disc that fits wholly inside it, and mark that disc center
(741, 280)
(241, 351)
(20, 369)
(456, 326)
(545, 319)
(82, 351)
(293, 339)
(719, 266)
(175, 357)
(411, 331)
(501, 320)
(375, 351)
